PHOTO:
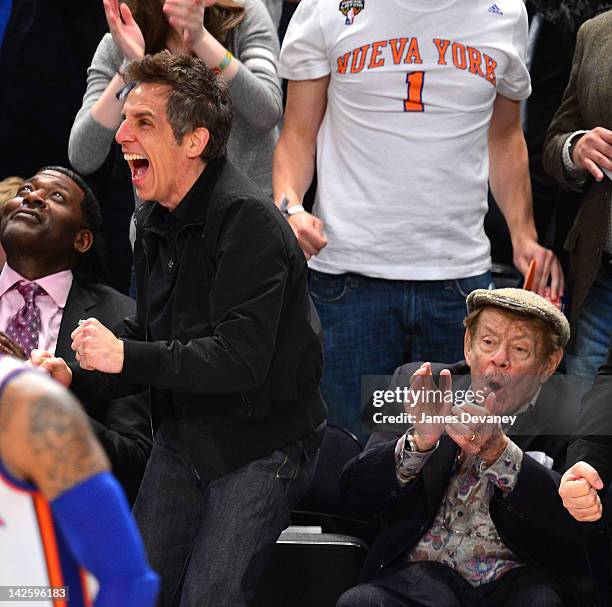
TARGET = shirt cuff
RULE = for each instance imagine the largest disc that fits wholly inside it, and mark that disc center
(572, 172)
(505, 470)
(409, 463)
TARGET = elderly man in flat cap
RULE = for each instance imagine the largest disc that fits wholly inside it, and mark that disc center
(468, 493)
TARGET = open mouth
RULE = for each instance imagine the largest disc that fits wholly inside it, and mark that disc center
(139, 165)
(27, 214)
(495, 384)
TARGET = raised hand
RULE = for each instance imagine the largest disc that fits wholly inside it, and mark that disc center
(578, 490)
(429, 404)
(187, 17)
(483, 438)
(124, 29)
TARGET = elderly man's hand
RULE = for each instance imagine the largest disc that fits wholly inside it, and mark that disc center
(578, 490)
(54, 366)
(425, 399)
(484, 438)
(97, 348)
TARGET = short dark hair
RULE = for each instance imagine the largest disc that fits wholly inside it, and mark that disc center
(90, 207)
(92, 266)
(197, 97)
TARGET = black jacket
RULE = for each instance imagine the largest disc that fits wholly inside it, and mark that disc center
(243, 364)
(530, 520)
(592, 440)
(592, 443)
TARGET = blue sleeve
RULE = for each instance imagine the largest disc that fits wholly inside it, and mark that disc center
(5, 15)
(95, 520)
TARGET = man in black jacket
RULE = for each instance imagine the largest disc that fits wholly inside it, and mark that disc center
(225, 335)
(590, 453)
(468, 494)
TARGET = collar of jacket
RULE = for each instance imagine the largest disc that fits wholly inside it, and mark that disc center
(150, 215)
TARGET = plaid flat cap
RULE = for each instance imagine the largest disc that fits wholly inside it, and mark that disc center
(520, 300)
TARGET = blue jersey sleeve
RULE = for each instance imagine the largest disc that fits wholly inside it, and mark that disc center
(95, 520)
(5, 14)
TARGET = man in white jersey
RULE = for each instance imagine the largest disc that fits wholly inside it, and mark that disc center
(62, 513)
(405, 102)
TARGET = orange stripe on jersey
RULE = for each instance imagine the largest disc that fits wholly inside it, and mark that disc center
(87, 600)
(47, 532)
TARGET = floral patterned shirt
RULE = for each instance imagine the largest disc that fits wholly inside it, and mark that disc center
(463, 535)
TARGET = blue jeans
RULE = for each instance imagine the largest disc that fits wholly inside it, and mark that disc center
(594, 328)
(371, 326)
(216, 535)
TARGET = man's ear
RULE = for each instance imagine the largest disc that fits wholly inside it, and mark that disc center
(83, 241)
(551, 364)
(197, 141)
(467, 347)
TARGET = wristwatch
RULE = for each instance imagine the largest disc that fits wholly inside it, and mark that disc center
(410, 443)
(566, 152)
(287, 211)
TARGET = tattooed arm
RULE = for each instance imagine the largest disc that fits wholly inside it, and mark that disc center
(45, 436)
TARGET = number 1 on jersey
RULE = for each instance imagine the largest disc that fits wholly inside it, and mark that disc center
(414, 100)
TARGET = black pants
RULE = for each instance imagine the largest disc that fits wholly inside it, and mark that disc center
(429, 584)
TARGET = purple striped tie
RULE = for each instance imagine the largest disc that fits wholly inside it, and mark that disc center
(24, 327)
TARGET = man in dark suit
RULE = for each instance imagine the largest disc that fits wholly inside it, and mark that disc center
(49, 233)
(468, 494)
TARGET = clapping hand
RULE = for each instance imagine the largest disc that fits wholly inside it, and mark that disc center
(483, 438)
(187, 16)
(426, 400)
(124, 29)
